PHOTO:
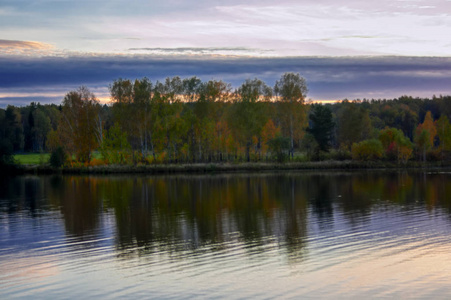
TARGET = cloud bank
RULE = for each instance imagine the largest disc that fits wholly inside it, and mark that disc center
(24, 79)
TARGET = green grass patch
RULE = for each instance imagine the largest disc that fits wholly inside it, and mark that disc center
(32, 158)
(96, 155)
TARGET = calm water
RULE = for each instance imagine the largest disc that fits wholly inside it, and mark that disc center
(278, 235)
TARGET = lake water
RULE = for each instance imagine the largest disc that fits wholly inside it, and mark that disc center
(274, 235)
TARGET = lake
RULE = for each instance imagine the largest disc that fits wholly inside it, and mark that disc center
(261, 235)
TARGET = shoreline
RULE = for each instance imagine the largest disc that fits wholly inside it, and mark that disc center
(228, 167)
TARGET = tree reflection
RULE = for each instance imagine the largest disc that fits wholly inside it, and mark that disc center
(188, 213)
(79, 203)
(209, 212)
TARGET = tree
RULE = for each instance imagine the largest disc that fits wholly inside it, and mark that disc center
(52, 140)
(142, 111)
(247, 114)
(292, 90)
(444, 134)
(279, 147)
(167, 111)
(209, 111)
(40, 129)
(425, 135)
(77, 129)
(133, 110)
(423, 141)
(311, 147)
(6, 147)
(428, 124)
(191, 88)
(115, 146)
(321, 125)
(6, 153)
(396, 145)
(354, 124)
(13, 129)
(269, 132)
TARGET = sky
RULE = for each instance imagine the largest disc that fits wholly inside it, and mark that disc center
(344, 48)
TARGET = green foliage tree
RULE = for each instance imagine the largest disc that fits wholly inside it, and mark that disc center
(190, 120)
(168, 115)
(40, 129)
(133, 110)
(115, 147)
(279, 147)
(311, 147)
(444, 134)
(247, 115)
(209, 112)
(354, 124)
(292, 90)
(422, 141)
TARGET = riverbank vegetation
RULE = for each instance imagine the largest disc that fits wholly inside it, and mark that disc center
(187, 121)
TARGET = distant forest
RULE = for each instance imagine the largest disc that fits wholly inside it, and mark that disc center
(188, 121)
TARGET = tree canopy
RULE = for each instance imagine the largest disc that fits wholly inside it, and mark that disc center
(190, 120)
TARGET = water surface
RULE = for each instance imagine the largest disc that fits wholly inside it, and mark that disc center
(274, 235)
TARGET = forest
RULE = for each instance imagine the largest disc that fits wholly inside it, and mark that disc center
(191, 121)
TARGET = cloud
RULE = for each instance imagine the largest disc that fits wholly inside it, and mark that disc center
(11, 47)
(203, 51)
(191, 49)
(306, 27)
(327, 78)
(7, 44)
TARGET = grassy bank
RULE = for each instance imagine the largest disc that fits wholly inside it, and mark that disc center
(32, 158)
(228, 167)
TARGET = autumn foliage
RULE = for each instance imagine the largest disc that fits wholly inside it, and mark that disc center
(191, 121)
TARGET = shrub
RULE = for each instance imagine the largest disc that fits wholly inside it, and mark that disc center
(279, 147)
(367, 150)
(300, 157)
(58, 157)
(96, 162)
(341, 154)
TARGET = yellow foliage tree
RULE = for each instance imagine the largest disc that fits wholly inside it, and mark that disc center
(429, 125)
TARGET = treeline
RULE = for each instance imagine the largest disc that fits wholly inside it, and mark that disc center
(187, 120)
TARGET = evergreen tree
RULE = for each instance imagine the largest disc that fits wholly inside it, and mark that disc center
(321, 126)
